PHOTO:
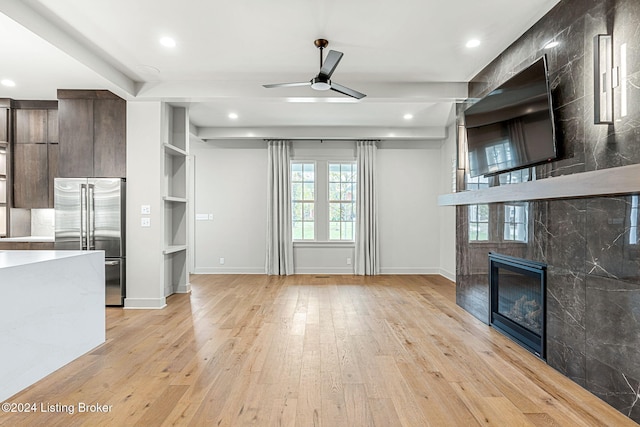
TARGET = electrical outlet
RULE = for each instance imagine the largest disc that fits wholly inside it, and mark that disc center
(145, 209)
(221, 261)
(145, 222)
(348, 261)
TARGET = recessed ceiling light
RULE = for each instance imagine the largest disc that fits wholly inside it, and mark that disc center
(8, 83)
(233, 116)
(168, 42)
(473, 43)
(408, 116)
(551, 44)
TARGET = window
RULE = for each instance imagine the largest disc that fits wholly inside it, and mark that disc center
(303, 192)
(515, 222)
(342, 197)
(478, 214)
(515, 177)
(499, 156)
(323, 200)
(478, 222)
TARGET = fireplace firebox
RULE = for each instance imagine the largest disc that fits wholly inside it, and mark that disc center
(518, 296)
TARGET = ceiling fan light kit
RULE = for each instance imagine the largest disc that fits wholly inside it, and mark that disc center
(323, 80)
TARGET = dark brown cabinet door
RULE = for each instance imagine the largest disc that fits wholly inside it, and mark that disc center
(52, 158)
(30, 126)
(30, 176)
(52, 126)
(109, 136)
(75, 127)
(4, 134)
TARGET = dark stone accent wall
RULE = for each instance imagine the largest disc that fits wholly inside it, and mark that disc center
(593, 300)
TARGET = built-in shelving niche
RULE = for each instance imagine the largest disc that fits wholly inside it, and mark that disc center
(175, 172)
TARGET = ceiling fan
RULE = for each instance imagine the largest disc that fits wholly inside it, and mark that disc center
(323, 80)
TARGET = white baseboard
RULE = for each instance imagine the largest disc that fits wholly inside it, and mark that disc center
(230, 270)
(184, 289)
(409, 270)
(145, 303)
(448, 275)
(324, 270)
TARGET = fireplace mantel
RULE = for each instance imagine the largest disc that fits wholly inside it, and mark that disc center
(612, 181)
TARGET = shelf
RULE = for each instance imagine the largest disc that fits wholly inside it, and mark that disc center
(173, 249)
(603, 182)
(173, 150)
(174, 199)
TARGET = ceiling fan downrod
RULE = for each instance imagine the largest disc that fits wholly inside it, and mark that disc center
(321, 44)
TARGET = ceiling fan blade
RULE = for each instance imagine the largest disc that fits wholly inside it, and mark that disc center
(346, 91)
(330, 63)
(288, 84)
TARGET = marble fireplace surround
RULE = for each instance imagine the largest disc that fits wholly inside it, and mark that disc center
(579, 227)
(583, 211)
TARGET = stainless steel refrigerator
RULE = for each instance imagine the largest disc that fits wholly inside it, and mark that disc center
(90, 215)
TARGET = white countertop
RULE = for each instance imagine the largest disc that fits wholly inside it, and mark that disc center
(28, 239)
(16, 258)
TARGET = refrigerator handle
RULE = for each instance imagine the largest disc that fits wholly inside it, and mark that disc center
(83, 217)
(91, 218)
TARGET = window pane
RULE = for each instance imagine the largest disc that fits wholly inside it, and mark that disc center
(483, 213)
(308, 191)
(296, 211)
(347, 212)
(483, 231)
(296, 191)
(334, 230)
(296, 172)
(334, 172)
(297, 230)
(347, 231)
(334, 191)
(307, 211)
(473, 213)
(308, 172)
(308, 230)
(334, 212)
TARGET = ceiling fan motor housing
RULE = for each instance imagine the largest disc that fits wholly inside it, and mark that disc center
(320, 83)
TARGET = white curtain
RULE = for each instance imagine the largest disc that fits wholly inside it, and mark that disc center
(367, 246)
(279, 242)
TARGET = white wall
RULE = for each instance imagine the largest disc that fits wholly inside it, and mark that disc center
(230, 184)
(408, 186)
(145, 287)
(447, 218)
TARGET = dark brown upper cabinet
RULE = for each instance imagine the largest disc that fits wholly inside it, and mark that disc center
(31, 176)
(35, 153)
(4, 120)
(30, 126)
(92, 134)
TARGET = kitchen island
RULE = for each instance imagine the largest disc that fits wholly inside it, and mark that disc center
(51, 312)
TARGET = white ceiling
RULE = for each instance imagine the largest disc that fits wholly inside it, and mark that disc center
(408, 56)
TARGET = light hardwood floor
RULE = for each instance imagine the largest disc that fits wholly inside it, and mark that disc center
(310, 351)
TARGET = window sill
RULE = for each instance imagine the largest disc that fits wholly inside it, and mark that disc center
(324, 244)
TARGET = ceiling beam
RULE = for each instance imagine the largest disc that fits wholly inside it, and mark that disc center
(322, 132)
(50, 28)
(212, 90)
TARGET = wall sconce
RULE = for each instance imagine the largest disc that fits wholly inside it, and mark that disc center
(462, 147)
(603, 79)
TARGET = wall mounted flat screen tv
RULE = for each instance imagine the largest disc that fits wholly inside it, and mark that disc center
(512, 127)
